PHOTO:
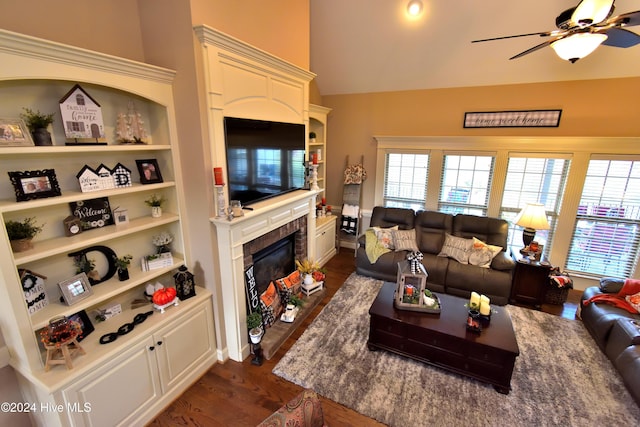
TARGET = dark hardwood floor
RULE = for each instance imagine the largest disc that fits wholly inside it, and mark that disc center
(241, 394)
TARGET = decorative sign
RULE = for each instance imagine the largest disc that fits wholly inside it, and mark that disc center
(81, 117)
(34, 292)
(94, 213)
(513, 119)
(253, 299)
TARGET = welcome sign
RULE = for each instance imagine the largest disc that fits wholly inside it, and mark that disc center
(518, 119)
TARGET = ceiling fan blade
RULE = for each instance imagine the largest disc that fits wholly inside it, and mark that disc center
(533, 49)
(628, 19)
(619, 37)
(541, 34)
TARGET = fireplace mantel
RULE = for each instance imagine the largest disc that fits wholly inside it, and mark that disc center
(232, 235)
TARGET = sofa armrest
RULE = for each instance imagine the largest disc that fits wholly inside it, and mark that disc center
(502, 262)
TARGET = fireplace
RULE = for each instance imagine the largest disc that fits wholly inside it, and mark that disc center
(283, 217)
(273, 255)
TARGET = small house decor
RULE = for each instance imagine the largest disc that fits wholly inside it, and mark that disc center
(82, 118)
(21, 233)
(38, 124)
(121, 176)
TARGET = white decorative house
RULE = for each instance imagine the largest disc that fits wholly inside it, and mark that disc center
(81, 116)
(121, 176)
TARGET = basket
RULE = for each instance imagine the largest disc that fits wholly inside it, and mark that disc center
(555, 295)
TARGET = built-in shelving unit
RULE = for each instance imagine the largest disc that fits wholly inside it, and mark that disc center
(152, 366)
(318, 124)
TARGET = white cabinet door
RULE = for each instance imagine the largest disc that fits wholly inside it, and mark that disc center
(184, 345)
(326, 240)
(117, 393)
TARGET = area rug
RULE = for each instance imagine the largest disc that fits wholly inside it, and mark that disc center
(560, 377)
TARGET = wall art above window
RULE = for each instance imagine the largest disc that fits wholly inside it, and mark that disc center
(513, 119)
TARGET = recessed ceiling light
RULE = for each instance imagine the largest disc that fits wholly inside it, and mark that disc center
(414, 8)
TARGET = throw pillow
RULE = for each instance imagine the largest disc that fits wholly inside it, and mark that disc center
(405, 240)
(271, 305)
(634, 300)
(457, 248)
(482, 253)
(384, 236)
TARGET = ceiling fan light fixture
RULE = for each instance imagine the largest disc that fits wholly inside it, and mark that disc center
(577, 46)
(414, 8)
(592, 11)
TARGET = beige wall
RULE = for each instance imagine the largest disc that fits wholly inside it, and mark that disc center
(589, 108)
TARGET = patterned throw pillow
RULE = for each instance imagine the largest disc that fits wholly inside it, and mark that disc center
(482, 254)
(271, 305)
(385, 236)
(634, 301)
(405, 240)
(457, 248)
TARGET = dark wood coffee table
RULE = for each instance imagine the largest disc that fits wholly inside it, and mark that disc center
(443, 340)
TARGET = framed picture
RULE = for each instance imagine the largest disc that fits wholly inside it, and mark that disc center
(82, 319)
(13, 132)
(121, 216)
(149, 171)
(29, 185)
(76, 288)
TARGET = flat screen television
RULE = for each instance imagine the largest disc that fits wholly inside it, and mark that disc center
(264, 159)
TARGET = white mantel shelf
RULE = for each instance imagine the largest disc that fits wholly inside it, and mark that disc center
(266, 216)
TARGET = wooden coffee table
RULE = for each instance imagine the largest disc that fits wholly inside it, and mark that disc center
(443, 340)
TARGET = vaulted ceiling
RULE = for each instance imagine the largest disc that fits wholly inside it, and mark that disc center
(360, 46)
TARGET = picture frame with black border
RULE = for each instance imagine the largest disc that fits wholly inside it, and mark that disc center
(83, 320)
(14, 133)
(149, 171)
(75, 288)
(121, 216)
(37, 184)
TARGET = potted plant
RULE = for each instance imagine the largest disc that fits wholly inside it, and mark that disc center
(254, 324)
(38, 123)
(21, 233)
(312, 137)
(155, 202)
(306, 269)
(122, 263)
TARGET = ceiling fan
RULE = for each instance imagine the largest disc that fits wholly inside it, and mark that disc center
(583, 28)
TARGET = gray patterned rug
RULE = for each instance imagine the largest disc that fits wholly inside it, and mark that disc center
(560, 377)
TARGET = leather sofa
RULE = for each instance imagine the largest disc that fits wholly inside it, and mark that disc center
(616, 331)
(444, 274)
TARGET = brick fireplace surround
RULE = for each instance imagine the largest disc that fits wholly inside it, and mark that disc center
(268, 222)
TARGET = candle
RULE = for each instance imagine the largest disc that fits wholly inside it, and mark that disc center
(485, 308)
(217, 174)
(474, 302)
(314, 156)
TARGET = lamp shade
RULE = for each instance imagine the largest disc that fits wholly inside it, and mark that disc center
(533, 216)
(578, 45)
(592, 11)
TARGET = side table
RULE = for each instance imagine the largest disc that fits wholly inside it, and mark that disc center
(530, 280)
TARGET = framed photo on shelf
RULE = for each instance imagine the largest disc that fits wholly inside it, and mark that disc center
(121, 216)
(82, 319)
(14, 133)
(39, 184)
(75, 288)
(149, 171)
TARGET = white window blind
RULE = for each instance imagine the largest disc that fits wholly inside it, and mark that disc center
(465, 185)
(533, 179)
(405, 182)
(605, 239)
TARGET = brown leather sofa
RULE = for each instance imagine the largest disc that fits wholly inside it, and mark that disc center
(616, 331)
(444, 274)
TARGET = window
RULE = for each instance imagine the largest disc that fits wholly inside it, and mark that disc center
(405, 184)
(532, 179)
(605, 238)
(465, 186)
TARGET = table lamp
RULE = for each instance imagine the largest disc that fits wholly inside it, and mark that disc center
(532, 217)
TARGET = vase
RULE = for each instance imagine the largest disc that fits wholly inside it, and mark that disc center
(41, 137)
(308, 279)
(21, 245)
(123, 274)
(156, 211)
